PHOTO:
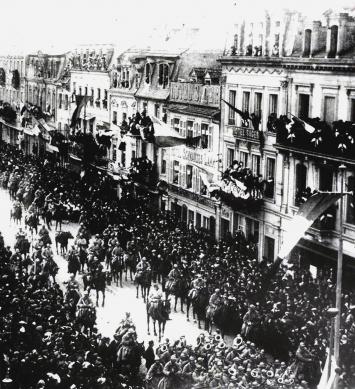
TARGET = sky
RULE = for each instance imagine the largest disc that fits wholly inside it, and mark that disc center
(57, 26)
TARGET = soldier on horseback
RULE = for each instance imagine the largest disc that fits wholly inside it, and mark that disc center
(249, 319)
(72, 284)
(143, 266)
(197, 285)
(173, 278)
(156, 297)
(215, 301)
(85, 304)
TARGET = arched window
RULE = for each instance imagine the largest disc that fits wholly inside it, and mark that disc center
(333, 45)
(300, 182)
(307, 43)
(147, 73)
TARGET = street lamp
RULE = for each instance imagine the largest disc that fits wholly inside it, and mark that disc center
(331, 313)
(342, 168)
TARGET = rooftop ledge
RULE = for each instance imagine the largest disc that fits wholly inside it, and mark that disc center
(288, 61)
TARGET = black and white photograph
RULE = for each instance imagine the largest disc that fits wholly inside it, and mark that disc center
(177, 194)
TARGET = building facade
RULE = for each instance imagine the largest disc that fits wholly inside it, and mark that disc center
(292, 66)
(12, 73)
(193, 111)
(89, 76)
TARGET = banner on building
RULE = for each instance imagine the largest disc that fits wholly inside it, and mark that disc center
(80, 103)
(308, 212)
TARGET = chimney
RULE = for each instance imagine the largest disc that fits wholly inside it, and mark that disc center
(315, 40)
(343, 18)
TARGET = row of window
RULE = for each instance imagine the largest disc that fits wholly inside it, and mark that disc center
(190, 129)
(246, 104)
(84, 91)
(192, 218)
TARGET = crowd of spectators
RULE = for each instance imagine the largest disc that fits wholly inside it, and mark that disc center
(290, 305)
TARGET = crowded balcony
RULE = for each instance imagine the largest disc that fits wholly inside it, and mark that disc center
(313, 137)
(239, 188)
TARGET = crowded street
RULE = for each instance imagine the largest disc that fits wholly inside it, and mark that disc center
(177, 195)
(118, 300)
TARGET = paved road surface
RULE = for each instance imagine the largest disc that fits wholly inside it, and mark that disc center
(118, 300)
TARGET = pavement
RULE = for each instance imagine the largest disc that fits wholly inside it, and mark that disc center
(118, 300)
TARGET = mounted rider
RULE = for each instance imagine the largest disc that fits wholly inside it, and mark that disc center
(173, 277)
(143, 266)
(249, 319)
(156, 296)
(197, 285)
(72, 284)
(216, 300)
(84, 304)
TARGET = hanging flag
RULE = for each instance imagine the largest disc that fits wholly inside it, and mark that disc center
(163, 135)
(80, 103)
(308, 212)
(307, 127)
(243, 115)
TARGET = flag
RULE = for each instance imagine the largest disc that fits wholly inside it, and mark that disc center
(308, 212)
(211, 187)
(243, 115)
(307, 127)
(164, 136)
(80, 103)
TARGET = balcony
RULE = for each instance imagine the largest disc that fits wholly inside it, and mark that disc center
(334, 142)
(203, 200)
(246, 134)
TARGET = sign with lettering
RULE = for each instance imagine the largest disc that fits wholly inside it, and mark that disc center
(200, 157)
(191, 92)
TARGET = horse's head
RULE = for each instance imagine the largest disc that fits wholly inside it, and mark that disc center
(167, 305)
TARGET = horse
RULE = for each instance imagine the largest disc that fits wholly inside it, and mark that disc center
(27, 198)
(58, 215)
(61, 239)
(180, 289)
(32, 221)
(217, 316)
(13, 186)
(117, 266)
(199, 305)
(129, 359)
(99, 281)
(23, 245)
(158, 312)
(86, 318)
(16, 214)
(130, 264)
(143, 279)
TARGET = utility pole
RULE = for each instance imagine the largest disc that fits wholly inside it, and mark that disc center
(342, 168)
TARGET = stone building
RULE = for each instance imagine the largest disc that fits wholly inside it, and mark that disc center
(289, 65)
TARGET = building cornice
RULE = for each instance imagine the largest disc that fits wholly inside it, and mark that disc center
(344, 65)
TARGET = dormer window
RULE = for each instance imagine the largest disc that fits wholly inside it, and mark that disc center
(207, 79)
(163, 75)
(147, 73)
